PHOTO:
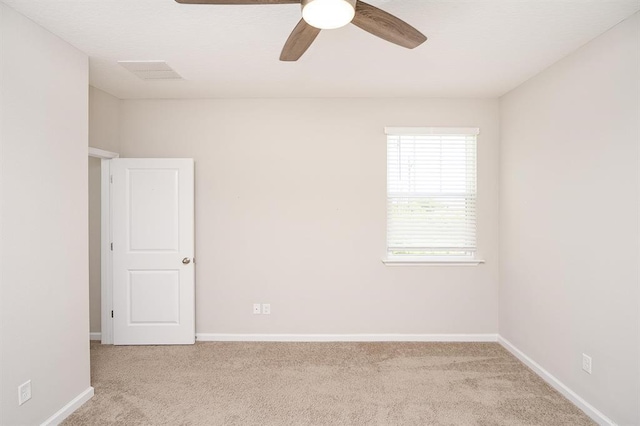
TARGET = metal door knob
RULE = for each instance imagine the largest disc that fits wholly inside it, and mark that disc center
(186, 260)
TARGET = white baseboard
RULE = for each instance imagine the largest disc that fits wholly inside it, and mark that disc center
(72, 406)
(95, 336)
(588, 409)
(213, 337)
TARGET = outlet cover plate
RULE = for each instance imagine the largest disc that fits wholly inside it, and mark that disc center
(586, 363)
(24, 392)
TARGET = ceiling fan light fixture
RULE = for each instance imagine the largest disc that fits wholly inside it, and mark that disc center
(328, 14)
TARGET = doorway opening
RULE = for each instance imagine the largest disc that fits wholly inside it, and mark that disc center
(141, 248)
(100, 327)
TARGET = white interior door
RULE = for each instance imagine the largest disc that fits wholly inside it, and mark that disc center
(153, 248)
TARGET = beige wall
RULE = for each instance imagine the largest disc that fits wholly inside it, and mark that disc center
(569, 220)
(44, 317)
(290, 210)
(104, 133)
(94, 245)
(104, 120)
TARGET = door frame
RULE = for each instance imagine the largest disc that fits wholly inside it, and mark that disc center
(106, 260)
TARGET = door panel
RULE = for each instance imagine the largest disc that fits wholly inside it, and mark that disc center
(153, 231)
(154, 209)
(154, 297)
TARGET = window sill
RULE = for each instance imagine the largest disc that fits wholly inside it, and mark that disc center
(422, 261)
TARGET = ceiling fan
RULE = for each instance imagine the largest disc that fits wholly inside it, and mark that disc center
(329, 14)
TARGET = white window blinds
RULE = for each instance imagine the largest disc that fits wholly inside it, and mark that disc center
(431, 191)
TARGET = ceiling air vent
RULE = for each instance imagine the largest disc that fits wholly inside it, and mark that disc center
(151, 70)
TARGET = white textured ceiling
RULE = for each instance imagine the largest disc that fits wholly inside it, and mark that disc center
(476, 48)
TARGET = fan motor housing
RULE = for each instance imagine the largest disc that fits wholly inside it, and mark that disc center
(328, 14)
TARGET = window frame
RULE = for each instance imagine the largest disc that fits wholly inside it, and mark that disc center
(417, 260)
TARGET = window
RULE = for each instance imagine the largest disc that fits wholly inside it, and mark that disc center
(431, 193)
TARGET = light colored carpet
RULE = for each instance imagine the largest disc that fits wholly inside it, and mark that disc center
(319, 384)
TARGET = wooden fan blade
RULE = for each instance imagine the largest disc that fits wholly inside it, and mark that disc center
(386, 26)
(238, 1)
(299, 41)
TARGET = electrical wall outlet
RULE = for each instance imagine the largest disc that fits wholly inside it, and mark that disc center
(256, 308)
(266, 308)
(586, 363)
(24, 392)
